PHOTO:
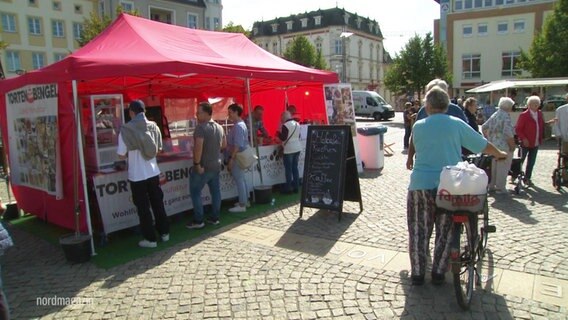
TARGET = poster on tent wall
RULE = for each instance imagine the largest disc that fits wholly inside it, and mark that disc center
(35, 161)
(340, 110)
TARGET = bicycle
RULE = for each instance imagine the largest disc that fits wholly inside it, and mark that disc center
(467, 250)
(468, 241)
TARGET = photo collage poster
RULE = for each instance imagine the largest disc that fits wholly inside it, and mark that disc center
(31, 113)
(340, 110)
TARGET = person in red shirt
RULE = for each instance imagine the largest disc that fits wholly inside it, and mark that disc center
(530, 131)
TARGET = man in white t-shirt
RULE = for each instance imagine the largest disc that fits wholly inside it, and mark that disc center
(144, 176)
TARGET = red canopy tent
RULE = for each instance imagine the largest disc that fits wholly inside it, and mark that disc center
(139, 58)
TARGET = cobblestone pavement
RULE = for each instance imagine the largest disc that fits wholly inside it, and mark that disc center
(223, 276)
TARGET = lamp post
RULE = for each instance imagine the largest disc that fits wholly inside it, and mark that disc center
(344, 35)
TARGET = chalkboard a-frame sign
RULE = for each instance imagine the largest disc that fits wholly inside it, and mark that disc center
(330, 169)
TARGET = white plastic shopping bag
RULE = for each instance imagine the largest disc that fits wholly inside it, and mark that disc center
(462, 187)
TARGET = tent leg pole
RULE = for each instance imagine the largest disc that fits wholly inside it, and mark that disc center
(82, 164)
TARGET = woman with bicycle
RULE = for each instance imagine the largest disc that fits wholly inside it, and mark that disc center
(438, 140)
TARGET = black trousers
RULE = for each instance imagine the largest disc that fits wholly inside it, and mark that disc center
(145, 194)
(407, 132)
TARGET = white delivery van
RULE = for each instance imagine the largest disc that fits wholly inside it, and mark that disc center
(371, 104)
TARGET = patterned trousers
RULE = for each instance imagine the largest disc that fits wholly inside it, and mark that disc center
(422, 215)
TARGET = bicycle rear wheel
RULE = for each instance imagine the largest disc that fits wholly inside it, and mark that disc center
(464, 266)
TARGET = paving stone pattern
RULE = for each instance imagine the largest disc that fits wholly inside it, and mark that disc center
(219, 277)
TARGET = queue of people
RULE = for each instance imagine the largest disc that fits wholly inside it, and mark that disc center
(210, 140)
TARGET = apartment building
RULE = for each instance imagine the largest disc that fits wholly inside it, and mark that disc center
(350, 44)
(41, 32)
(484, 38)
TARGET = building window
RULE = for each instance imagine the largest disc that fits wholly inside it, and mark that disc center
(127, 6)
(8, 22)
(191, 21)
(289, 25)
(488, 3)
(77, 30)
(216, 24)
(318, 46)
(32, 3)
(371, 50)
(478, 3)
(317, 20)
(304, 22)
(510, 64)
(34, 24)
(38, 60)
(56, 5)
(467, 30)
(502, 27)
(338, 47)
(57, 28)
(13, 61)
(274, 27)
(482, 29)
(360, 46)
(510, 1)
(275, 47)
(468, 4)
(458, 5)
(519, 26)
(471, 66)
(498, 2)
(254, 31)
(78, 9)
(207, 23)
(58, 56)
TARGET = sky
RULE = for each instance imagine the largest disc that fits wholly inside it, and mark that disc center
(399, 19)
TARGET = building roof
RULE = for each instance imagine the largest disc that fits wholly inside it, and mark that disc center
(329, 17)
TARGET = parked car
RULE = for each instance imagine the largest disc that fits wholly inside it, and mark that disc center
(371, 104)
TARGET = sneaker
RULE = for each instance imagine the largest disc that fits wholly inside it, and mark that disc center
(237, 204)
(195, 225)
(212, 221)
(438, 278)
(147, 244)
(166, 237)
(238, 209)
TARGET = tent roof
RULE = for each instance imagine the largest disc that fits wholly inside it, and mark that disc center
(137, 47)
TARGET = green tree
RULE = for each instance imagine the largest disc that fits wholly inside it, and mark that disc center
(419, 62)
(547, 55)
(231, 27)
(95, 25)
(320, 61)
(301, 51)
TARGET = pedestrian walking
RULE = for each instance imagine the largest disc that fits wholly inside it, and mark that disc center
(530, 130)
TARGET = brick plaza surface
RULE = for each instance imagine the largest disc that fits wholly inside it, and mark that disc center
(277, 266)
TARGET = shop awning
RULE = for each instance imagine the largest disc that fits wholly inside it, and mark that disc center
(518, 83)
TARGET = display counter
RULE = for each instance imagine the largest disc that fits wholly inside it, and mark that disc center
(114, 198)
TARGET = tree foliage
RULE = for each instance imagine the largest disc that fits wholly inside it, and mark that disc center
(548, 53)
(419, 62)
(94, 25)
(301, 51)
(231, 27)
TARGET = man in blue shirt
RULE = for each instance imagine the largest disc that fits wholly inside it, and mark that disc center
(453, 110)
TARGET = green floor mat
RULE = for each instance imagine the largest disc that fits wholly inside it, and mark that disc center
(122, 246)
